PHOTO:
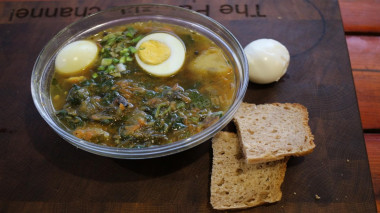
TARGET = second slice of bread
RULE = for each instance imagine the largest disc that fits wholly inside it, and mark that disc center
(235, 184)
(272, 131)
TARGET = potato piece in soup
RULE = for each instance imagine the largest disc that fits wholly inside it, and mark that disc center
(210, 61)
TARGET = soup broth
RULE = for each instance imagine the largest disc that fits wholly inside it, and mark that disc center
(114, 102)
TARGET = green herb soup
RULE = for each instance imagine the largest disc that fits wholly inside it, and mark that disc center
(115, 102)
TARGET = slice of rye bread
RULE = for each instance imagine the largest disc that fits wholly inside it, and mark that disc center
(235, 184)
(271, 132)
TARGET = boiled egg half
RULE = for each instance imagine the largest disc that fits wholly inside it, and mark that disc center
(76, 57)
(160, 54)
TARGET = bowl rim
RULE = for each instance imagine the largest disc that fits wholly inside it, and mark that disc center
(151, 151)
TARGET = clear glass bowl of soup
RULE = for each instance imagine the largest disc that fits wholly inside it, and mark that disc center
(116, 106)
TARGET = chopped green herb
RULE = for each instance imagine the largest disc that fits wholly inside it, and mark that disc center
(111, 68)
(106, 61)
(122, 60)
(115, 60)
(124, 51)
(130, 32)
(132, 49)
(137, 39)
(101, 67)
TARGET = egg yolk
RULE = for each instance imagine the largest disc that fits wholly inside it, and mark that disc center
(153, 52)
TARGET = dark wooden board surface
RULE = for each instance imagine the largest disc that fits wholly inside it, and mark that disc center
(41, 172)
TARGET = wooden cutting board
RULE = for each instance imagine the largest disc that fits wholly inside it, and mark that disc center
(39, 171)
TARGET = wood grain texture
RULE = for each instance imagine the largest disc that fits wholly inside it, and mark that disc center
(360, 15)
(373, 149)
(364, 52)
(40, 172)
(367, 86)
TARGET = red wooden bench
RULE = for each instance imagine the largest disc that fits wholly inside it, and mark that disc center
(361, 21)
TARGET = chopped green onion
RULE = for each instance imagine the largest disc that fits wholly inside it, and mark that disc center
(138, 38)
(132, 49)
(110, 68)
(124, 51)
(122, 60)
(106, 61)
(111, 41)
(95, 75)
(109, 36)
(115, 60)
(130, 32)
(129, 58)
(100, 68)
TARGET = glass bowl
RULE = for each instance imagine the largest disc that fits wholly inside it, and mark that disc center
(43, 71)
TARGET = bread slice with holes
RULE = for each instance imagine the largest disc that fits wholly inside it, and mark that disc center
(235, 184)
(271, 132)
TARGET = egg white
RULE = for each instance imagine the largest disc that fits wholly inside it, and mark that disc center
(75, 57)
(175, 61)
(268, 60)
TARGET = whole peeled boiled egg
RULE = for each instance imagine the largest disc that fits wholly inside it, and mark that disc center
(160, 54)
(76, 57)
(268, 60)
